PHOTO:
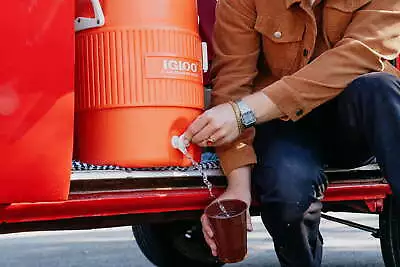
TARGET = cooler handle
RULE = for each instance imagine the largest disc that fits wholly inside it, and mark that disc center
(82, 23)
(204, 56)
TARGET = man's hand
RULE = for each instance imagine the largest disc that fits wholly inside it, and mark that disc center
(215, 127)
(238, 188)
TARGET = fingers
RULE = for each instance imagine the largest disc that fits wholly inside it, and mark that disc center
(206, 226)
(208, 234)
(217, 137)
(202, 136)
(207, 130)
(210, 242)
(222, 138)
(197, 125)
(249, 224)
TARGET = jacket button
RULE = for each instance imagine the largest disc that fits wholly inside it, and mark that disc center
(299, 112)
(278, 35)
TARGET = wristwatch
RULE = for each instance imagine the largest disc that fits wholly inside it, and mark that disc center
(247, 115)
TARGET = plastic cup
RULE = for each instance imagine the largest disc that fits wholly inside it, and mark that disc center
(230, 232)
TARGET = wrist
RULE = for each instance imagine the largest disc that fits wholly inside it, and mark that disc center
(246, 113)
(263, 107)
(239, 180)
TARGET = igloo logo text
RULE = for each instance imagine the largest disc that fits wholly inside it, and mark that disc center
(180, 65)
(158, 66)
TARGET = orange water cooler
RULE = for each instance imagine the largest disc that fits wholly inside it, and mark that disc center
(138, 80)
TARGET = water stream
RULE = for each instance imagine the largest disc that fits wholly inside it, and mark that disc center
(178, 143)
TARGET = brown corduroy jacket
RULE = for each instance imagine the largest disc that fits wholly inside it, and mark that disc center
(299, 56)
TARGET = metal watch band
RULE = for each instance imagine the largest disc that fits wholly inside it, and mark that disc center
(248, 117)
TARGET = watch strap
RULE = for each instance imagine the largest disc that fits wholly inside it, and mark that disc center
(245, 112)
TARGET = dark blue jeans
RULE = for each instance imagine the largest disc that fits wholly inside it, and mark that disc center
(361, 123)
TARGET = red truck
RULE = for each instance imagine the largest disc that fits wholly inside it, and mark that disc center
(163, 205)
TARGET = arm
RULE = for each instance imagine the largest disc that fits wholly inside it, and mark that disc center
(372, 37)
(233, 71)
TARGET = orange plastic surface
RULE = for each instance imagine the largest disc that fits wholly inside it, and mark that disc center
(36, 100)
(139, 82)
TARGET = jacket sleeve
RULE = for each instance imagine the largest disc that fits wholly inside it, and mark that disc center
(372, 38)
(233, 71)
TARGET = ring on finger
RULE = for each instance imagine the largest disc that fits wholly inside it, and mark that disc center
(211, 139)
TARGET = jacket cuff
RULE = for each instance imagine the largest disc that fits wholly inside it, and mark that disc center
(286, 99)
(238, 155)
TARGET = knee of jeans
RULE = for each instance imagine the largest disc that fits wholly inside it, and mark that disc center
(313, 213)
(373, 84)
(287, 190)
(284, 214)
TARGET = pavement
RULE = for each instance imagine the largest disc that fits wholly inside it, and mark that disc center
(344, 246)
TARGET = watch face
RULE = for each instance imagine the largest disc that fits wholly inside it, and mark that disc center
(248, 119)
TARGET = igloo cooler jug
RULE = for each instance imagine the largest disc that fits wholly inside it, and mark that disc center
(138, 80)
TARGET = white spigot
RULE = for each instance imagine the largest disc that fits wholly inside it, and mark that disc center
(178, 142)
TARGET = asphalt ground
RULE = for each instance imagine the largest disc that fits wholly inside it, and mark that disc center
(344, 246)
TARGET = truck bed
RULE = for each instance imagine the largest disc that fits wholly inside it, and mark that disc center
(144, 178)
(105, 196)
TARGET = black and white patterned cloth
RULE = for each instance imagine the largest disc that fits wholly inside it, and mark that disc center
(80, 166)
(209, 162)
